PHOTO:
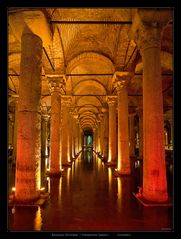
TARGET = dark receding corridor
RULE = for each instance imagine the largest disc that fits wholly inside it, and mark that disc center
(90, 198)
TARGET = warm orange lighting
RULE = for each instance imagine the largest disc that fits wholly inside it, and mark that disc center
(62, 169)
(41, 189)
(13, 189)
(116, 169)
(48, 169)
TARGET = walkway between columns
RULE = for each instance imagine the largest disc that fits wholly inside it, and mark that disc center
(89, 197)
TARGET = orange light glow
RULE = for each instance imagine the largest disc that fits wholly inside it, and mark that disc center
(38, 220)
(13, 189)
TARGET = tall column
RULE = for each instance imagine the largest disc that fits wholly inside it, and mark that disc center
(29, 119)
(124, 164)
(75, 116)
(15, 127)
(101, 132)
(44, 139)
(56, 84)
(111, 100)
(66, 151)
(140, 114)
(44, 148)
(131, 135)
(99, 136)
(148, 37)
(105, 133)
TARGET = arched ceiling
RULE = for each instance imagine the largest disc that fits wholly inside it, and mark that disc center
(87, 53)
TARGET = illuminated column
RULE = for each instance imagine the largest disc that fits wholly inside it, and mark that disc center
(44, 148)
(29, 119)
(111, 100)
(75, 134)
(15, 127)
(99, 136)
(131, 135)
(44, 139)
(66, 156)
(56, 88)
(105, 133)
(10, 129)
(140, 114)
(148, 37)
(124, 165)
(101, 132)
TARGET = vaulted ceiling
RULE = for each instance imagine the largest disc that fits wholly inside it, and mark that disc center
(87, 45)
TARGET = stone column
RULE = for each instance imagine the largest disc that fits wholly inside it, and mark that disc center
(29, 119)
(140, 114)
(111, 100)
(148, 38)
(66, 144)
(15, 127)
(124, 164)
(99, 136)
(10, 129)
(105, 133)
(44, 148)
(56, 88)
(131, 135)
(101, 133)
(75, 116)
(44, 139)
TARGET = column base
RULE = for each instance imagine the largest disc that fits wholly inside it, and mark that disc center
(111, 164)
(121, 173)
(54, 173)
(68, 164)
(34, 203)
(148, 203)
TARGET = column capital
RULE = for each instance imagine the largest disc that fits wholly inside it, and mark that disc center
(121, 80)
(148, 25)
(45, 117)
(111, 99)
(66, 100)
(56, 84)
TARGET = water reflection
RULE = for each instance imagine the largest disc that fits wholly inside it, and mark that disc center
(119, 193)
(38, 220)
(89, 197)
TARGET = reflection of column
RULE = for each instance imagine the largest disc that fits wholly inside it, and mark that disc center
(66, 155)
(111, 100)
(56, 85)
(131, 135)
(149, 43)
(124, 166)
(29, 119)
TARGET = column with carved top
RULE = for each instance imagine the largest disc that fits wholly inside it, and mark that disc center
(56, 85)
(148, 35)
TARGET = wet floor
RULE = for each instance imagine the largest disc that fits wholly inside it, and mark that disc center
(88, 197)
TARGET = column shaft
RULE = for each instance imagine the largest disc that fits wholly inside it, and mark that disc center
(29, 119)
(112, 129)
(124, 166)
(154, 167)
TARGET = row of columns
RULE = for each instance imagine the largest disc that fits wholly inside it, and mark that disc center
(148, 38)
